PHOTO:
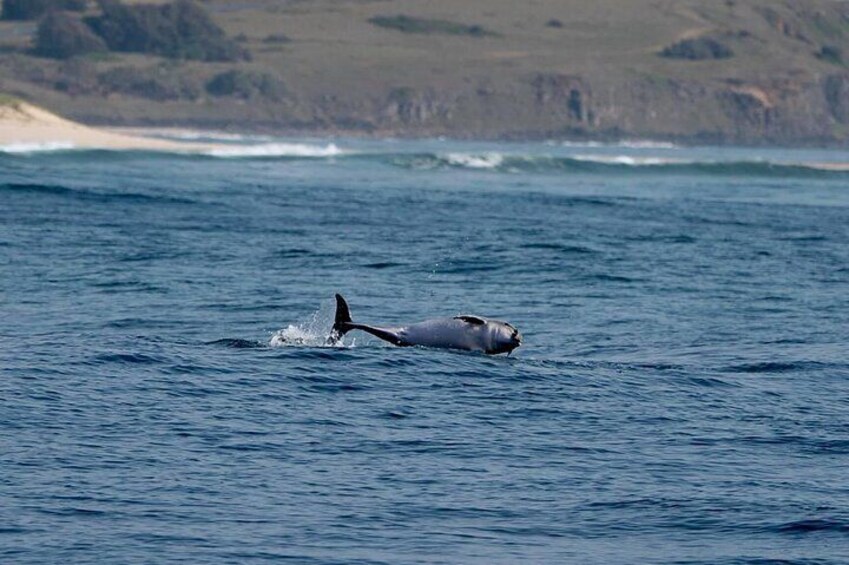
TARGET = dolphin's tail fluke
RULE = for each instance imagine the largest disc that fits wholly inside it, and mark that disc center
(342, 324)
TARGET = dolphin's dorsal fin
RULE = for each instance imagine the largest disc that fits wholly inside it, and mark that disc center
(474, 320)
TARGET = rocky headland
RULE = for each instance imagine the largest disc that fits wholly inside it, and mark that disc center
(691, 71)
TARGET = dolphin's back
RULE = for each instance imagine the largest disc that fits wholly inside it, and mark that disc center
(446, 333)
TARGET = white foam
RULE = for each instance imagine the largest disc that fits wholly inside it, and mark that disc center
(645, 144)
(36, 147)
(190, 135)
(582, 144)
(625, 143)
(472, 161)
(629, 160)
(277, 150)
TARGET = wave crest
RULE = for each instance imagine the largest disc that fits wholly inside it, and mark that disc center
(600, 163)
(277, 150)
(40, 147)
(472, 161)
(518, 162)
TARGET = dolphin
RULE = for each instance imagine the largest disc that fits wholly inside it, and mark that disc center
(470, 333)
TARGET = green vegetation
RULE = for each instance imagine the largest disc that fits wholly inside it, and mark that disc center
(34, 9)
(153, 83)
(246, 85)
(75, 77)
(697, 49)
(62, 36)
(8, 100)
(179, 30)
(830, 54)
(409, 24)
(277, 38)
(830, 27)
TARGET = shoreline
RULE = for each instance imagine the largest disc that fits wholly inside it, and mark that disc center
(24, 126)
(599, 139)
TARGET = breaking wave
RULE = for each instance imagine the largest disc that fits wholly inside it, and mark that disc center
(607, 164)
(602, 161)
(278, 150)
(625, 144)
(219, 150)
(48, 146)
(633, 160)
(471, 161)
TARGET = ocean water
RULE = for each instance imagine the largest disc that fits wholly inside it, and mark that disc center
(681, 396)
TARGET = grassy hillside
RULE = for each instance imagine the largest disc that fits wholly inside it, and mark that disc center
(541, 68)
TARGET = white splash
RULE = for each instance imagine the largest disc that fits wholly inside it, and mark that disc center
(472, 161)
(311, 332)
(36, 147)
(278, 150)
(295, 335)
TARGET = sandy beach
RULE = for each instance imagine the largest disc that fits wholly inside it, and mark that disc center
(24, 126)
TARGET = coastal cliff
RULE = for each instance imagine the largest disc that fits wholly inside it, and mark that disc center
(693, 71)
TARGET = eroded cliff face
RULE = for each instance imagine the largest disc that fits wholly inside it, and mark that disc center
(836, 91)
(778, 111)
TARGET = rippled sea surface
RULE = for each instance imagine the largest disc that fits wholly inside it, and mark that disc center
(682, 394)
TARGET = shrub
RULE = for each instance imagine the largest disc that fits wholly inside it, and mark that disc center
(246, 85)
(34, 9)
(277, 38)
(697, 49)
(9, 100)
(155, 83)
(830, 54)
(62, 36)
(77, 77)
(180, 30)
(409, 24)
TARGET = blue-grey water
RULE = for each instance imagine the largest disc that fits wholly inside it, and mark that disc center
(681, 396)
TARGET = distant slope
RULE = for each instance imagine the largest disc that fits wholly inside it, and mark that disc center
(495, 69)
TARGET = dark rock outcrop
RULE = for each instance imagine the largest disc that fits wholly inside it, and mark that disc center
(410, 107)
(564, 96)
(836, 91)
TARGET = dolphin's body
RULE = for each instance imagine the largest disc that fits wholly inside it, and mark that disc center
(471, 333)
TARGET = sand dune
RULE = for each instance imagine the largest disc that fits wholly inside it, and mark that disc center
(23, 125)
